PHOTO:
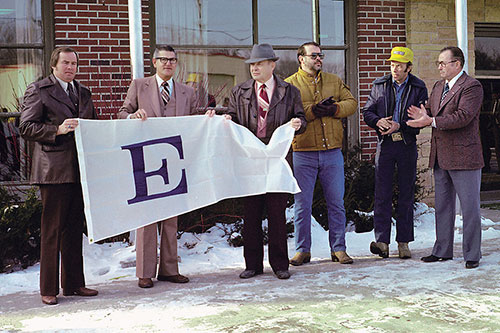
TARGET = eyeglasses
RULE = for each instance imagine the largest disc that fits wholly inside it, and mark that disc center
(443, 64)
(315, 56)
(165, 60)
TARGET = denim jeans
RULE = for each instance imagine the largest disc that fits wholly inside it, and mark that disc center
(328, 165)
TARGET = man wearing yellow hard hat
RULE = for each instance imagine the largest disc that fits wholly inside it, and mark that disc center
(386, 112)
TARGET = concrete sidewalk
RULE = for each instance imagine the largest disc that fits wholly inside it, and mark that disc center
(372, 295)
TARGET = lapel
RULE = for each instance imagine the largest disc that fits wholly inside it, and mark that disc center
(180, 100)
(151, 90)
(249, 98)
(57, 92)
(278, 93)
(456, 87)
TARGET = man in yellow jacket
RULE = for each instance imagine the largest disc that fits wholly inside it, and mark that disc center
(317, 152)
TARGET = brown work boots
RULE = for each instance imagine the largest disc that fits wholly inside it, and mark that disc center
(382, 249)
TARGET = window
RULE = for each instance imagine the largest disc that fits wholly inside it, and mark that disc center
(22, 45)
(214, 37)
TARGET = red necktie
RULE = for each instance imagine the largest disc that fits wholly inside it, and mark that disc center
(263, 101)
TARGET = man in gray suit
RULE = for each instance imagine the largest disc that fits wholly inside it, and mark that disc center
(453, 112)
(158, 96)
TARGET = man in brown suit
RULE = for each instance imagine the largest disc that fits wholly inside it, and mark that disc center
(49, 117)
(453, 112)
(158, 96)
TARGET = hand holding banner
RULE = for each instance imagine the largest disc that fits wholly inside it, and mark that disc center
(135, 173)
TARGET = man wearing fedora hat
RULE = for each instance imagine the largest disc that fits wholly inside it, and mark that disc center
(317, 152)
(386, 112)
(262, 104)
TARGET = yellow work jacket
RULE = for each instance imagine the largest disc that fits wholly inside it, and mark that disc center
(325, 132)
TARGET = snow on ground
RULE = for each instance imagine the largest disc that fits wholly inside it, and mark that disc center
(210, 252)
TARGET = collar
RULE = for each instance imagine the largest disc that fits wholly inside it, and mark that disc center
(170, 81)
(64, 84)
(455, 79)
(306, 74)
(269, 84)
(402, 84)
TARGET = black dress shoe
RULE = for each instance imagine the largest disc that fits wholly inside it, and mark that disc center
(433, 258)
(282, 275)
(471, 264)
(173, 278)
(248, 273)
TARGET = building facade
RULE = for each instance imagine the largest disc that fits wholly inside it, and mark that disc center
(213, 37)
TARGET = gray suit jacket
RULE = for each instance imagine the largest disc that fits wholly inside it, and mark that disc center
(455, 142)
(144, 94)
(45, 106)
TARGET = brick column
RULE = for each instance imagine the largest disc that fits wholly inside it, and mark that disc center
(98, 30)
(381, 26)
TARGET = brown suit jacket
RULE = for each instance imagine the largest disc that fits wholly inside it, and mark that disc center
(45, 106)
(455, 142)
(144, 94)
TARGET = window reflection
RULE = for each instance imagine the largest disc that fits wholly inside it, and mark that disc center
(285, 22)
(217, 71)
(487, 54)
(331, 15)
(198, 22)
(20, 22)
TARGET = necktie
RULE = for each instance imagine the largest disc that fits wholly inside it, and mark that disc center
(445, 91)
(263, 101)
(165, 93)
(72, 95)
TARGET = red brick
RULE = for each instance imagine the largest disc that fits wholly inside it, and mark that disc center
(99, 21)
(119, 35)
(108, 28)
(79, 20)
(118, 8)
(119, 21)
(99, 49)
(99, 35)
(87, 42)
(78, 35)
(65, 27)
(108, 42)
(64, 13)
(107, 14)
(78, 7)
(87, 14)
(87, 28)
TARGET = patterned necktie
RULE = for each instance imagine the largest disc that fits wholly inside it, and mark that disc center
(165, 92)
(263, 101)
(445, 91)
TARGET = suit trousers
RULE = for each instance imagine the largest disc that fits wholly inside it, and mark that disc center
(466, 184)
(389, 155)
(61, 231)
(147, 246)
(253, 249)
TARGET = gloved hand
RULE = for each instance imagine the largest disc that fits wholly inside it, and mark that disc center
(326, 107)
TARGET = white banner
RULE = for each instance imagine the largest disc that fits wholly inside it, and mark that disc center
(135, 172)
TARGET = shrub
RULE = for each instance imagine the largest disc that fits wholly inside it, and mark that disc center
(19, 230)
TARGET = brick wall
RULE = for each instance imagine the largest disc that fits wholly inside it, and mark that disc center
(381, 26)
(98, 30)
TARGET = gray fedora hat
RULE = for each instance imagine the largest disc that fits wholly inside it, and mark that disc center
(261, 52)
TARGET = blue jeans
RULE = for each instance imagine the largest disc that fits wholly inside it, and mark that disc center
(328, 165)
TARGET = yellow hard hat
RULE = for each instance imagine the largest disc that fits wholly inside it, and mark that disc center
(193, 77)
(401, 54)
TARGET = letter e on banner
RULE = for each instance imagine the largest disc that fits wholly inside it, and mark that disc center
(140, 174)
